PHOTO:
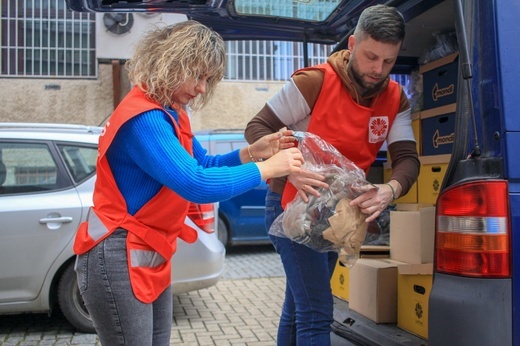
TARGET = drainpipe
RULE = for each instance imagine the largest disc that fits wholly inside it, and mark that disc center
(116, 81)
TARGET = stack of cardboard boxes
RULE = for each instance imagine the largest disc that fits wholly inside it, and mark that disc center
(412, 232)
(396, 289)
(434, 129)
(437, 125)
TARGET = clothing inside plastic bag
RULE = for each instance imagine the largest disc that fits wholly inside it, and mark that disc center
(328, 222)
(378, 232)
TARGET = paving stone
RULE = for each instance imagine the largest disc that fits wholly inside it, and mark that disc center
(243, 308)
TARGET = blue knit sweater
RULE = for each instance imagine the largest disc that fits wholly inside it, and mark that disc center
(146, 155)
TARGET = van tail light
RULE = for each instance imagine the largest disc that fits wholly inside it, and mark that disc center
(203, 215)
(473, 232)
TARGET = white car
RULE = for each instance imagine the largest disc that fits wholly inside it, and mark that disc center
(47, 174)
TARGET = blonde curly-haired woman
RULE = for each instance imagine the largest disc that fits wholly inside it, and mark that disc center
(149, 167)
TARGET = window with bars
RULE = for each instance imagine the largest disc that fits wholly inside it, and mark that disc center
(42, 38)
(276, 60)
(270, 60)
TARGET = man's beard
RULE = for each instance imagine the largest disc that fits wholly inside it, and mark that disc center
(367, 87)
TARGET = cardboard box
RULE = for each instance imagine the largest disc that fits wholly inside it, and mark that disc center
(440, 81)
(431, 176)
(411, 196)
(373, 289)
(340, 281)
(413, 206)
(414, 284)
(341, 276)
(438, 130)
(412, 233)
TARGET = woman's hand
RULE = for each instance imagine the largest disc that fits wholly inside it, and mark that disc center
(307, 182)
(283, 163)
(271, 144)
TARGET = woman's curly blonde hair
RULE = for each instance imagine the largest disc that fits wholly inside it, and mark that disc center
(166, 58)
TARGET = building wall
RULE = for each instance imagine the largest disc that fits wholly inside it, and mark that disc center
(234, 104)
(72, 101)
(89, 102)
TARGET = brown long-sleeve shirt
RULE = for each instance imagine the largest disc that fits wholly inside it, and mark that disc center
(403, 153)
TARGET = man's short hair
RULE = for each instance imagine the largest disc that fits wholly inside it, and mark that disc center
(382, 23)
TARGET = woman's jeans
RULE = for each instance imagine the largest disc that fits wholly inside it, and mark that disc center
(307, 311)
(118, 316)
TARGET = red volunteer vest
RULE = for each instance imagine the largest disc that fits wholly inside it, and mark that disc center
(356, 131)
(153, 230)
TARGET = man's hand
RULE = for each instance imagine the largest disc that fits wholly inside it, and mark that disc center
(374, 200)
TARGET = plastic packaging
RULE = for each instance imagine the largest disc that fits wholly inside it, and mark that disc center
(445, 44)
(328, 222)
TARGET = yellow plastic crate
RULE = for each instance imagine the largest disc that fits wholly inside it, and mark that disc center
(340, 281)
(414, 284)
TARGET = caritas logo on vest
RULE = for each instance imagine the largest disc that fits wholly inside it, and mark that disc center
(378, 129)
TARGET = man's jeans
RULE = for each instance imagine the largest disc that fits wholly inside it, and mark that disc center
(118, 316)
(307, 311)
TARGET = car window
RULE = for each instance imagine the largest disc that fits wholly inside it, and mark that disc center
(226, 146)
(81, 161)
(223, 147)
(26, 168)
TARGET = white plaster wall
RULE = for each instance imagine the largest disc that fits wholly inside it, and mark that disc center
(75, 101)
(234, 104)
(89, 102)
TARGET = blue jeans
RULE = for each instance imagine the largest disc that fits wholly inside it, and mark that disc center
(307, 311)
(118, 316)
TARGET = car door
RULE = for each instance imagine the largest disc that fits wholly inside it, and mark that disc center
(245, 212)
(39, 213)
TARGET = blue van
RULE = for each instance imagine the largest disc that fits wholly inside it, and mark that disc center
(475, 295)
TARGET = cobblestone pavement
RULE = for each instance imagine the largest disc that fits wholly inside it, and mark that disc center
(242, 309)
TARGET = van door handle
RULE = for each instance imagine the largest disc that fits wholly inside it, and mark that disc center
(63, 219)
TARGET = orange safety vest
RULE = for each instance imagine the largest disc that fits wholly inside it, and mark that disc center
(153, 230)
(356, 131)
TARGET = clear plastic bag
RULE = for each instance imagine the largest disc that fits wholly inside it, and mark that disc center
(327, 223)
(445, 44)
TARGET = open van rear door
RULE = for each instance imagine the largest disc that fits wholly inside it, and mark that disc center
(474, 299)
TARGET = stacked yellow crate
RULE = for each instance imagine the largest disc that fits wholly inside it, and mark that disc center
(339, 282)
(415, 227)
